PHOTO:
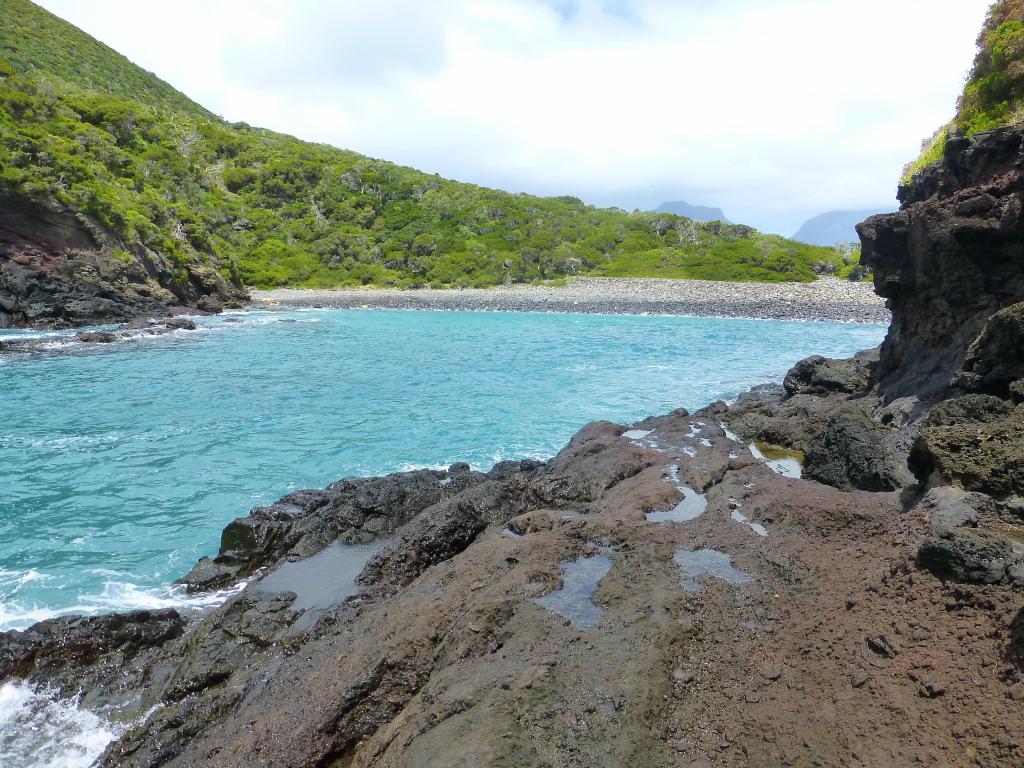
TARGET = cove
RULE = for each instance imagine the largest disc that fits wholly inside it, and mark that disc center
(120, 464)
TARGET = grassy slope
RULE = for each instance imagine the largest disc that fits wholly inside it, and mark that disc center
(81, 124)
(993, 95)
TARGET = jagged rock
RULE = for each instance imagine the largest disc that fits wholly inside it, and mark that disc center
(794, 422)
(304, 522)
(210, 304)
(900, 412)
(853, 454)
(968, 409)
(818, 375)
(972, 556)
(181, 324)
(994, 361)
(57, 268)
(949, 260)
(75, 653)
(987, 457)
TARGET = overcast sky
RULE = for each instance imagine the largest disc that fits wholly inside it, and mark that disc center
(774, 110)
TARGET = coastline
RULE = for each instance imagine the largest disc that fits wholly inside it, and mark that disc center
(825, 300)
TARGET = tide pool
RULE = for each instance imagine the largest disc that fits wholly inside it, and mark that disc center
(120, 464)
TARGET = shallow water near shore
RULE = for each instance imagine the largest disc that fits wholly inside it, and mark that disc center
(121, 463)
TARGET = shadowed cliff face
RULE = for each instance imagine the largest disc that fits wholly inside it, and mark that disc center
(58, 268)
(948, 260)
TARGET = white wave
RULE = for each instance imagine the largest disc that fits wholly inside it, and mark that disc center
(124, 596)
(39, 730)
(14, 580)
(115, 596)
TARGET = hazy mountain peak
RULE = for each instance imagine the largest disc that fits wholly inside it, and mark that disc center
(696, 212)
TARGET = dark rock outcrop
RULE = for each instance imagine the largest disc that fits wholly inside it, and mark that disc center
(97, 337)
(59, 268)
(817, 375)
(973, 557)
(994, 361)
(94, 655)
(855, 452)
(355, 510)
(948, 261)
(986, 456)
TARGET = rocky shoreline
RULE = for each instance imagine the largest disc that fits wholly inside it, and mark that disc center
(729, 602)
(826, 299)
(656, 594)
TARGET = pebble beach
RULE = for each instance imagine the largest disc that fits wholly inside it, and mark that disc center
(826, 299)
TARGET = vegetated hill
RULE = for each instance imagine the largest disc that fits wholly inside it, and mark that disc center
(833, 227)
(85, 130)
(993, 95)
(695, 212)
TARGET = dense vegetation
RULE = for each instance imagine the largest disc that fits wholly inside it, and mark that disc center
(81, 125)
(993, 95)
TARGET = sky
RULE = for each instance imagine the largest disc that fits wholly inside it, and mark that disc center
(774, 110)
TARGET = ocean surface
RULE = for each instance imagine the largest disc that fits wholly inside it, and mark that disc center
(120, 464)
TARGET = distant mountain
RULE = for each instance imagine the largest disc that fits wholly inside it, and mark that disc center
(833, 227)
(695, 212)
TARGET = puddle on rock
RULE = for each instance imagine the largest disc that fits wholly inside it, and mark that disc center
(781, 460)
(637, 434)
(757, 528)
(695, 563)
(323, 580)
(691, 507)
(579, 582)
(731, 435)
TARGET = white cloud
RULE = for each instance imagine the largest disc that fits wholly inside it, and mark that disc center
(773, 109)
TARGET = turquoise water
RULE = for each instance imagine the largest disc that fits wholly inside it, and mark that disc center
(120, 464)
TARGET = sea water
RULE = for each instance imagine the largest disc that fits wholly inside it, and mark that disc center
(120, 464)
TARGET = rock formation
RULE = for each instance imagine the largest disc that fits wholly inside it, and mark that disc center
(60, 269)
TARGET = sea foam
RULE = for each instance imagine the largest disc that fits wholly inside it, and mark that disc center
(40, 730)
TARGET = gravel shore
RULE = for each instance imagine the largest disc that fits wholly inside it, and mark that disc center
(827, 299)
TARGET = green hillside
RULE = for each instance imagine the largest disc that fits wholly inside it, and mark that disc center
(993, 95)
(81, 125)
